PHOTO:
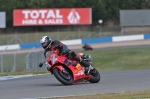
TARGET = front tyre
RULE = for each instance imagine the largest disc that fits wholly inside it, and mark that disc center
(95, 77)
(63, 77)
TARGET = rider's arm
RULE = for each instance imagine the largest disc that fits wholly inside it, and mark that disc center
(62, 47)
(45, 53)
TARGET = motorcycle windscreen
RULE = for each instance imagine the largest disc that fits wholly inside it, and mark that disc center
(48, 54)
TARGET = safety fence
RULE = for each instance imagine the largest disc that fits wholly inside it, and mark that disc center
(17, 62)
(80, 41)
(29, 61)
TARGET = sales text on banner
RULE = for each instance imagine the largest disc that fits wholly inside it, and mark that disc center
(64, 16)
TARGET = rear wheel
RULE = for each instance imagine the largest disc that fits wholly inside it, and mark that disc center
(63, 76)
(95, 77)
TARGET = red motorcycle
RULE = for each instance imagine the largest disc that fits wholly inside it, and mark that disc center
(87, 47)
(69, 71)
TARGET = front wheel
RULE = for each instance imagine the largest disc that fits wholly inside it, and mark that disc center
(95, 77)
(64, 77)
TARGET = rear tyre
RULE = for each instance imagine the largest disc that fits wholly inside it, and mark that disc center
(95, 77)
(64, 78)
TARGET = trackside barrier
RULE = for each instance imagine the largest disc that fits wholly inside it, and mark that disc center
(33, 59)
(10, 47)
(2, 65)
(29, 61)
(81, 41)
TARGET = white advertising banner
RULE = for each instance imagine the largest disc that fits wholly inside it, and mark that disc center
(2, 19)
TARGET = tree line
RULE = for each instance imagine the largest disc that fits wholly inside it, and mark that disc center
(101, 9)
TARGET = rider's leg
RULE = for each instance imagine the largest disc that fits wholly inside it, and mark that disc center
(88, 66)
(80, 60)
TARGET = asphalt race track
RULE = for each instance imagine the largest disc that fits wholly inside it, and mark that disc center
(48, 86)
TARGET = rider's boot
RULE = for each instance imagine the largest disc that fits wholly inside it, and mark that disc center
(89, 60)
(87, 65)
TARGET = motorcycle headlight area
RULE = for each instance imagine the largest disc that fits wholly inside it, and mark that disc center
(53, 59)
(47, 65)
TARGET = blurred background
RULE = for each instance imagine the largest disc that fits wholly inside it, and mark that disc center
(108, 18)
(106, 11)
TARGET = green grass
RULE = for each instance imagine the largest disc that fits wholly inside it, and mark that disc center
(8, 62)
(35, 37)
(106, 60)
(127, 59)
(30, 37)
(22, 73)
(125, 95)
(59, 35)
(103, 60)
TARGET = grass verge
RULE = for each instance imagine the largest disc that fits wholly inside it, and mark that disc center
(108, 60)
(124, 95)
(22, 73)
(122, 59)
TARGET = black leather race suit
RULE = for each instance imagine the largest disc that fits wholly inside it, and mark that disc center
(63, 49)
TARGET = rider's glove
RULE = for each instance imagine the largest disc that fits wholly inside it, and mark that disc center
(41, 64)
(83, 57)
(73, 54)
(63, 52)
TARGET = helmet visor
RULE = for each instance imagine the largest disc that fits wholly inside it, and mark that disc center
(44, 44)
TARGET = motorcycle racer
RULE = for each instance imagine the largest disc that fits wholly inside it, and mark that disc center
(50, 45)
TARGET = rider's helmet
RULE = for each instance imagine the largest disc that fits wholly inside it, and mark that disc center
(46, 42)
